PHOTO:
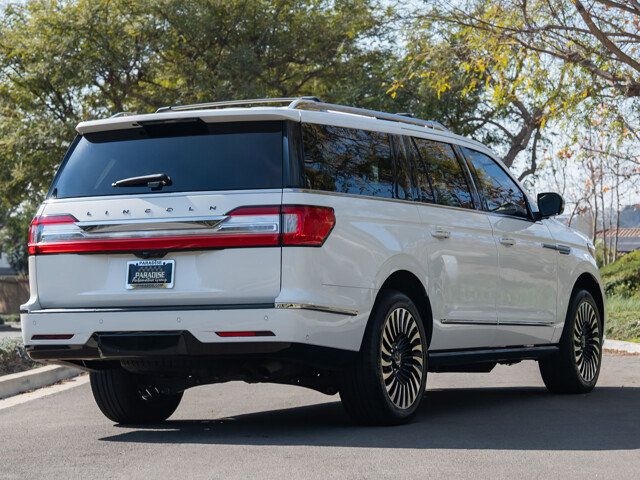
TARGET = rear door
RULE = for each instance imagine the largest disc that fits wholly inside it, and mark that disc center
(528, 271)
(206, 222)
(462, 257)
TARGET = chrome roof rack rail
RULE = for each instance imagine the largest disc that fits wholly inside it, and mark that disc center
(285, 101)
(122, 114)
(310, 103)
(304, 104)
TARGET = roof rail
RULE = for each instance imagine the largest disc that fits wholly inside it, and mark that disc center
(122, 114)
(285, 101)
(311, 103)
(304, 104)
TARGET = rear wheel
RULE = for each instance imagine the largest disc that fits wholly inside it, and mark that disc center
(387, 382)
(577, 366)
(124, 398)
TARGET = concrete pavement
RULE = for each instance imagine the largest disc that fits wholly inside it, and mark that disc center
(498, 425)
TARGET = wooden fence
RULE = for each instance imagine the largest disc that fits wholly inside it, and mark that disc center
(14, 291)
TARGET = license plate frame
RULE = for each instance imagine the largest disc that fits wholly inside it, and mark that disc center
(145, 274)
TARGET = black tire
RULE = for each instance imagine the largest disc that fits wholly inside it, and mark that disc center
(577, 366)
(394, 347)
(123, 398)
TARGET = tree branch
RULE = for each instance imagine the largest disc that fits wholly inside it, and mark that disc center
(603, 39)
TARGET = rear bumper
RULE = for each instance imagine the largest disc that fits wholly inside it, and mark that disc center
(105, 348)
(200, 326)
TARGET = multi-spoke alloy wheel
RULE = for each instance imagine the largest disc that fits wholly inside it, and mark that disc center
(401, 354)
(576, 366)
(386, 382)
(586, 341)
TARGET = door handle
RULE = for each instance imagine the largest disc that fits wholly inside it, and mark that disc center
(507, 241)
(441, 233)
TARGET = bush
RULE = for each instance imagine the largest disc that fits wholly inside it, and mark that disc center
(622, 277)
(13, 357)
(623, 318)
(9, 318)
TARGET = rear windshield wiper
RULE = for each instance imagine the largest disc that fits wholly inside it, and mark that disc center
(155, 181)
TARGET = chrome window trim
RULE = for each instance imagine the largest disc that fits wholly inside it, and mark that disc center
(369, 197)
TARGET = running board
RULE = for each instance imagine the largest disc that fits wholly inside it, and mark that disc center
(445, 358)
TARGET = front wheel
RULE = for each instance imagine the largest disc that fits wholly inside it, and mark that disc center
(577, 366)
(124, 398)
(387, 381)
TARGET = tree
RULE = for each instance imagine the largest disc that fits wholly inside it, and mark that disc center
(65, 61)
(512, 93)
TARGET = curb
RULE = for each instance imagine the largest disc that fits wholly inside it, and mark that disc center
(619, 346)
(36, 378)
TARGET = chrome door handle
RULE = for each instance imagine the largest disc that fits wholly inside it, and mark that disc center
(441, 233)
(507, 241)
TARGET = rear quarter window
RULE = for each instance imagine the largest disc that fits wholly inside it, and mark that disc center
(347, 160)
(197, 156)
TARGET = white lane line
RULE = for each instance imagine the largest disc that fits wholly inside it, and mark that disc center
(43, 392)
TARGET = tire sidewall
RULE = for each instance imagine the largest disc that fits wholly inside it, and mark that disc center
(388, 303)
(567, 340)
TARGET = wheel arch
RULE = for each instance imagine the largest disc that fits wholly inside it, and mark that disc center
(588, 282)
(408, 283)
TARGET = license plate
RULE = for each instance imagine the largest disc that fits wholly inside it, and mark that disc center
(150, 274)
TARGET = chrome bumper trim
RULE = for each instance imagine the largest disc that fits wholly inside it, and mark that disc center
(318, 308)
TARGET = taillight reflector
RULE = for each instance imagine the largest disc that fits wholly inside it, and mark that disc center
(52, 336)
(246, 333)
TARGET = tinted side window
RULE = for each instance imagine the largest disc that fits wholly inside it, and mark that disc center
(500, 193)
(347, 160)
(402, 169)
(421, 174)
(438, 163)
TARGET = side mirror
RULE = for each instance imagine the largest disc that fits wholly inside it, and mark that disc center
(550, 204)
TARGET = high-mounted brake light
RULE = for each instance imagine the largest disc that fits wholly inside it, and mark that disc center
(254, 226)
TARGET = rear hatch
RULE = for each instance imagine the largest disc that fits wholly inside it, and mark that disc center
(164, 213)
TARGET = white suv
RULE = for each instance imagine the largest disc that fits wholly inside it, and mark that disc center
(298, 242)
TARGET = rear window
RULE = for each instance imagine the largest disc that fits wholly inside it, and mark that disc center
(195, 155)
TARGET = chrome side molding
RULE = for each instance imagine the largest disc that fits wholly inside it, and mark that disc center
(525, 323)
(318, 308)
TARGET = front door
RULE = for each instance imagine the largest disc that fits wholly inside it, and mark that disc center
(526, 299)
(528, 281)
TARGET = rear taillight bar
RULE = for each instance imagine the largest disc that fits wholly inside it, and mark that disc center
(255, 226)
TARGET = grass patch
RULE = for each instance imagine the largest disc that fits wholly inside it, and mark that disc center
(623, 318)
(13, 357)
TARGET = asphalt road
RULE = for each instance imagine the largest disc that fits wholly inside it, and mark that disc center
(498, 425)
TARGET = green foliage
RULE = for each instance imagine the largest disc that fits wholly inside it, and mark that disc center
(13, 357)
(63, 61)
(623, 318)
(622, 277)
(9, 318)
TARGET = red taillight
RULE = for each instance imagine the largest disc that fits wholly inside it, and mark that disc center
(254, 226)
(306, 225)
(36, 229)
